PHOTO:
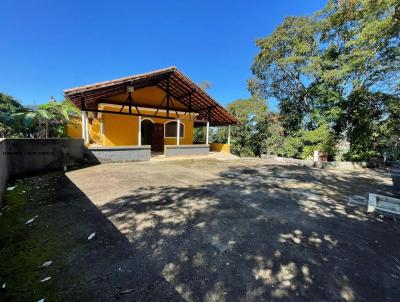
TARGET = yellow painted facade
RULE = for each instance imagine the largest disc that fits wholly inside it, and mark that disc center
(74, 127)
(220, 147)
(119, 130)
(122, 130)
(94, 131)
(109, 130)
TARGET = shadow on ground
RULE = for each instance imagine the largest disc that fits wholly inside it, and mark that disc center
(265, 232)
(105, 268)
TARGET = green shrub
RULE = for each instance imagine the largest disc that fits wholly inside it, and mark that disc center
(292, 146)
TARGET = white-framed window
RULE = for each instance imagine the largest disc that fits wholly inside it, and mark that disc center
(170, 129)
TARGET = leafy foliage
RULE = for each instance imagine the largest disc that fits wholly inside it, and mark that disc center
(372, 118)
(321, 139)
(364, 35)
(48, 120)
(280, 68)
(334, 74)
(11, 117)
(248, 136)
(275, 139)
(199, 135)
(219, 135)
(299, 144)
(8, 103)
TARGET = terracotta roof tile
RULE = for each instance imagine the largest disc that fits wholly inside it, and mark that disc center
(180, 88)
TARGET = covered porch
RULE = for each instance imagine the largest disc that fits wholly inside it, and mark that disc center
(152, 114)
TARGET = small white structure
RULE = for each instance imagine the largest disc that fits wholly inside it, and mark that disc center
(383, 203)
(316, 155)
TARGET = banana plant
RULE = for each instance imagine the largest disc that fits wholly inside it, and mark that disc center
(48, 120)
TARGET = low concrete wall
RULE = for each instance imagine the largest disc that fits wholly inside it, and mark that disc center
(173, 150)
(3, 167)
(119, 154)
(19, 157)
(322, 164)
(26, 156)
(220, 147)
(395, 172)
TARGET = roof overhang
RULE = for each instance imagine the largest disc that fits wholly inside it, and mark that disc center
(170, 80)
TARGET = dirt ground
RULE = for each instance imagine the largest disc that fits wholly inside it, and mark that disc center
(200, 230)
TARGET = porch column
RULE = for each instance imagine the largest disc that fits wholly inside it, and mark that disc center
(85, 128)
(178, 129)
(140, 131)
(102, 132)
(229, 134)
(207, 131)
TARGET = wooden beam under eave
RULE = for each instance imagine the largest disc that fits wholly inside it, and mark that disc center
(115, 104)
(175, 97)
(136, 114)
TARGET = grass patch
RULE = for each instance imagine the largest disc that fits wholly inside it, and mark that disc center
(25, 247)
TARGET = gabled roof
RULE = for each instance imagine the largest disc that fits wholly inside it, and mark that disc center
(181, 88)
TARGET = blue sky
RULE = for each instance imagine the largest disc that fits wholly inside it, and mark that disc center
(47, 46)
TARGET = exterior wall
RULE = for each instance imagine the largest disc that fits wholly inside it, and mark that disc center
(74, 128)
(122, 130)
(94, 132)
(187, 138)
(220, 147)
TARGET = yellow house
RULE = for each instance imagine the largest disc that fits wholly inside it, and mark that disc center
(146, 114)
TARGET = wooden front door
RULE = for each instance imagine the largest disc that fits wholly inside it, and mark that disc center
(157, 143)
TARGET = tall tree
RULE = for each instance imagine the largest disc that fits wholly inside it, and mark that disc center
(334, 69)
(280, 69)
(364, 36)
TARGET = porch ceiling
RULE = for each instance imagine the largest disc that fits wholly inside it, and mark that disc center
(184, 92)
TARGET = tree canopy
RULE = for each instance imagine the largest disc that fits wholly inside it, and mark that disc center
(336, 70)
(248, 137)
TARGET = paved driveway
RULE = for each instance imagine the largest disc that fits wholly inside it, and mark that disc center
(244, 230)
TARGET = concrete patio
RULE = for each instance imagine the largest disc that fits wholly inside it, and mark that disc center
(201, 230)
(251, 230)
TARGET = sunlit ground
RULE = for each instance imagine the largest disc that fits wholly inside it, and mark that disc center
(251, 230)
(203, 230)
